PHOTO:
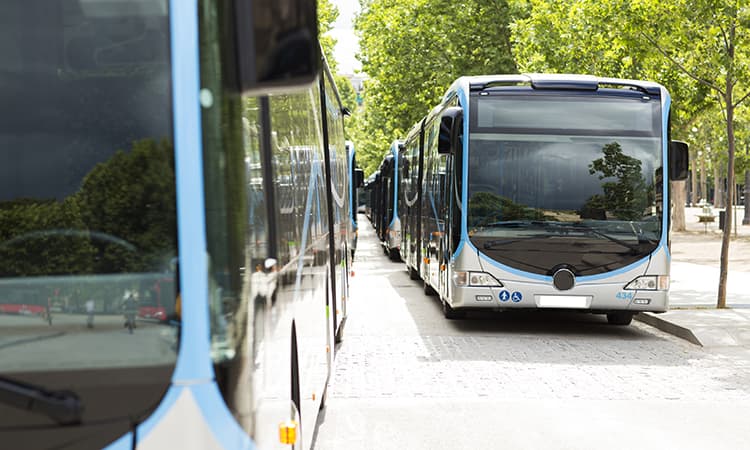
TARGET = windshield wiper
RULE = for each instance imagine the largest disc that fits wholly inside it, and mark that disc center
(64, 407)
(557, 226)
(634, 248)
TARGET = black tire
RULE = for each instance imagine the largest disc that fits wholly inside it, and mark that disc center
(451, 313)
(428, 290)
(295, 376)
(413, 274)
(394, 254)
(620, 318)
(339, 337)
(323, 399)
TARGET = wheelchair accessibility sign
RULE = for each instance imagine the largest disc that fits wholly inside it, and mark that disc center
(505, 295)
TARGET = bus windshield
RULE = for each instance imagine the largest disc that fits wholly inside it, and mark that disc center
(88, 233)
(565, 180)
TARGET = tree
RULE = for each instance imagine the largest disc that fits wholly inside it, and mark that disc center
(702, 58)
(129, 203)
(625, 191)
(413, 50)
(327, 15)
(710, 44)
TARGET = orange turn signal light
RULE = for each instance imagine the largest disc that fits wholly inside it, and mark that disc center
(288, 432)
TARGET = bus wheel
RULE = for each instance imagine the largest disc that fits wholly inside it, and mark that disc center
(428, 290)
(413, 274)
(451, 313)
(394, 255)
(295, 375)
(620, 318)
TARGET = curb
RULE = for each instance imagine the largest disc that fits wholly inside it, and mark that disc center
(667, 327)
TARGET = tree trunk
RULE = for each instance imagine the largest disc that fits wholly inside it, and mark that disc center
(694, 194)
(721, 301)
(678, 205)
(704, 182)
(746, 219)
(718, 188)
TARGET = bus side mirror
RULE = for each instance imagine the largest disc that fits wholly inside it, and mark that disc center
(359, 178)
(447, 124)
(678, 161)
(276, 44)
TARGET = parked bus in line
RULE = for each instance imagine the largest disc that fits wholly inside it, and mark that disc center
(184, 142)
(370, 194)
(356, 181)
(543, 191)
(385, 207)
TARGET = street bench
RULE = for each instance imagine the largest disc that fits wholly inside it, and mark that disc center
(705, 219)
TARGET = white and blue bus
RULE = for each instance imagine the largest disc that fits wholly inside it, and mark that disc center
(543, 191)
(182, 153)
(386, 221)
(356, 182)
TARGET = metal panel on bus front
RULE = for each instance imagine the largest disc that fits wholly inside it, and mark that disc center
(604, 292)
(394, 234)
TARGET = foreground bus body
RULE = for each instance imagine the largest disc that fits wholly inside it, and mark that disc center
(135, 169)
(548, 193)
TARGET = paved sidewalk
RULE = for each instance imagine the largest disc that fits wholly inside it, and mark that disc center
(694, 285)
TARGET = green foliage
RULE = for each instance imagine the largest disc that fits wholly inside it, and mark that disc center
(123, 219)
(413, 50)
(486, 208)
(327, 15)
(346, 92)
(625, 192)
(36, 239)
(605, 39)
(131, 198)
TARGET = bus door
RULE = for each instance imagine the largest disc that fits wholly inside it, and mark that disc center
(451, 195)
(443, 248)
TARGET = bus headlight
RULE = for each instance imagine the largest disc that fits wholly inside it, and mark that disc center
(649, 283)
(475, 279)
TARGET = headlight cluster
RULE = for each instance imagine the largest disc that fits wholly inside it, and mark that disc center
(649, 283)
(475, 279)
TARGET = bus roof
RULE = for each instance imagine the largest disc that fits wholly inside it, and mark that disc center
(550, 81)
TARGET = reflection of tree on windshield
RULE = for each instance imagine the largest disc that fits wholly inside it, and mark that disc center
(486, 208)
(625, 194)
(121, 220)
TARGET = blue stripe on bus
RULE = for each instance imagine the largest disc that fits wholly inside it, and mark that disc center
(193, 361)
(546, 278)
(194, 364)
(209, 403)
(464, 100)
(225, 428)
(666, 101)
(311, 190)
(166, 404)
(350, 166)
(394, 150)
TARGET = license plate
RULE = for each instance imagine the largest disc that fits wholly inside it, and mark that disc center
(563, 301)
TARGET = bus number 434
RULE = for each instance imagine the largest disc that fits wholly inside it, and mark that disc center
(625, 295)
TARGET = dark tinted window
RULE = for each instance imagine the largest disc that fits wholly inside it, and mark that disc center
(87, 211)
(556, 180)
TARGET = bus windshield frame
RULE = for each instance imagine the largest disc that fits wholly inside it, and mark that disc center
(88, 221)
(573, 179)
